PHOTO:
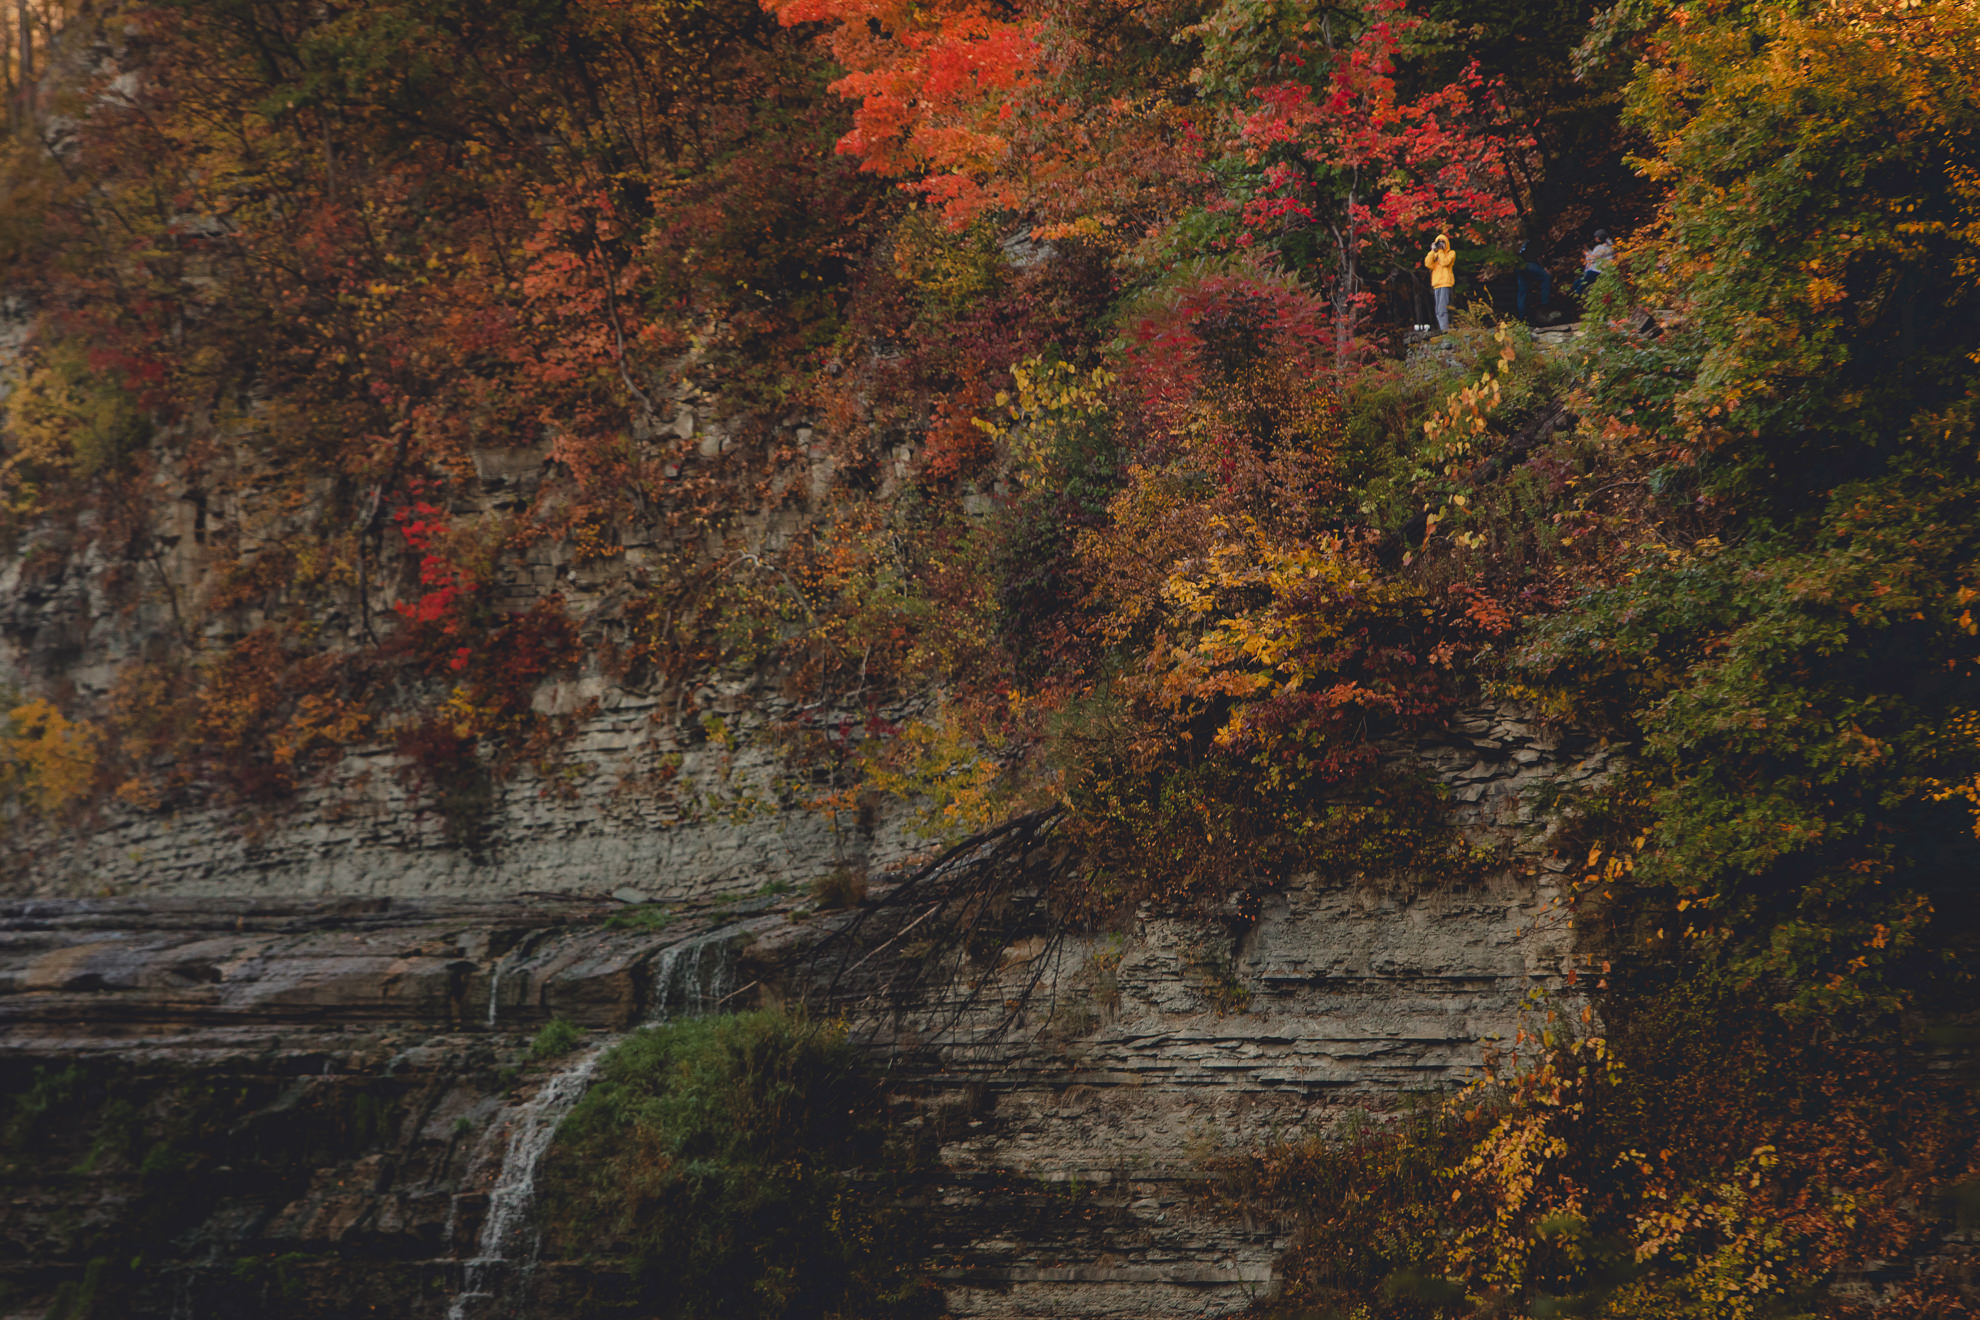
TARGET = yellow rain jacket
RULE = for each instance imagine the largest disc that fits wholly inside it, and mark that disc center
(1440, 262)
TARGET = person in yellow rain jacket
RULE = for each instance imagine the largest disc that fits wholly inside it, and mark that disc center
(1443, 277)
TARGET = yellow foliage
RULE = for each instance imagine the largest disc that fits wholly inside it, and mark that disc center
(47, 761)
(61, 419)
(1726, 1253)
(952, 268)
(319, 721)
(1516, 1167)
(951, 768)
(1050, 403)
(1752, 1260)
(1467, 414)
(1269, 614)
(1964, 729)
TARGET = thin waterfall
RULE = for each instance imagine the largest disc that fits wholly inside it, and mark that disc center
(687, 982)
(495, 991)
(514, 1192)
(690, 978)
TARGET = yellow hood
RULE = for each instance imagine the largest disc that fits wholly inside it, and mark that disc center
(1440, 261)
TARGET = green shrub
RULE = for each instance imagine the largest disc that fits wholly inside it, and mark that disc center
(557, 1038)
(641, 916)
(736, 1167)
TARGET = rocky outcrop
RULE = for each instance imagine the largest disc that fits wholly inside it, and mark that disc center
(334, 1094)
(273, 1060)
(715, 822)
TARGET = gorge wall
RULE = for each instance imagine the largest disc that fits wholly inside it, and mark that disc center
(525, 523)
(678, 786)
(315, 1094)
(278, 1055)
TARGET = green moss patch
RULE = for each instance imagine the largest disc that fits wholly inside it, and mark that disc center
(737, 1167)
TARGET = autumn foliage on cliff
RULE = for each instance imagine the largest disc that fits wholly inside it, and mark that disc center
(1782, 872)
(1025, 395)
(330, 270)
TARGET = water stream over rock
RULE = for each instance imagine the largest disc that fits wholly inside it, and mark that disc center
(690, 977)
(688, 982)
(495, 993)
(514, 1193)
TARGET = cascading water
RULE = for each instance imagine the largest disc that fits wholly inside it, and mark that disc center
(690, 978)
(687, 982)
(495, 992)
(510, 1199)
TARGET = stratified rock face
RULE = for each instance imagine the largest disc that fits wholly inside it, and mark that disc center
(720, 820)
(292, 1104)
(1075, 1146)
(316, 1101)
(274, 1063)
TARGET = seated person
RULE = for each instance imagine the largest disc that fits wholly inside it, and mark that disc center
(1597, 259)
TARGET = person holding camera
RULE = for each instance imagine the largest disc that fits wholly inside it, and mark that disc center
(1442, 261)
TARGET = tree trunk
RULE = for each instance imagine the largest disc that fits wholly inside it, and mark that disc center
(27, 60)
(1344, 298)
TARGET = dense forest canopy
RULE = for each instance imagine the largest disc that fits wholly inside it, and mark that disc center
(1075, 450)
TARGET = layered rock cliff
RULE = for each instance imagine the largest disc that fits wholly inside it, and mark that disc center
(309, 1100)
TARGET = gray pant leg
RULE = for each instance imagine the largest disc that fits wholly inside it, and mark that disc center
(1443, 308)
